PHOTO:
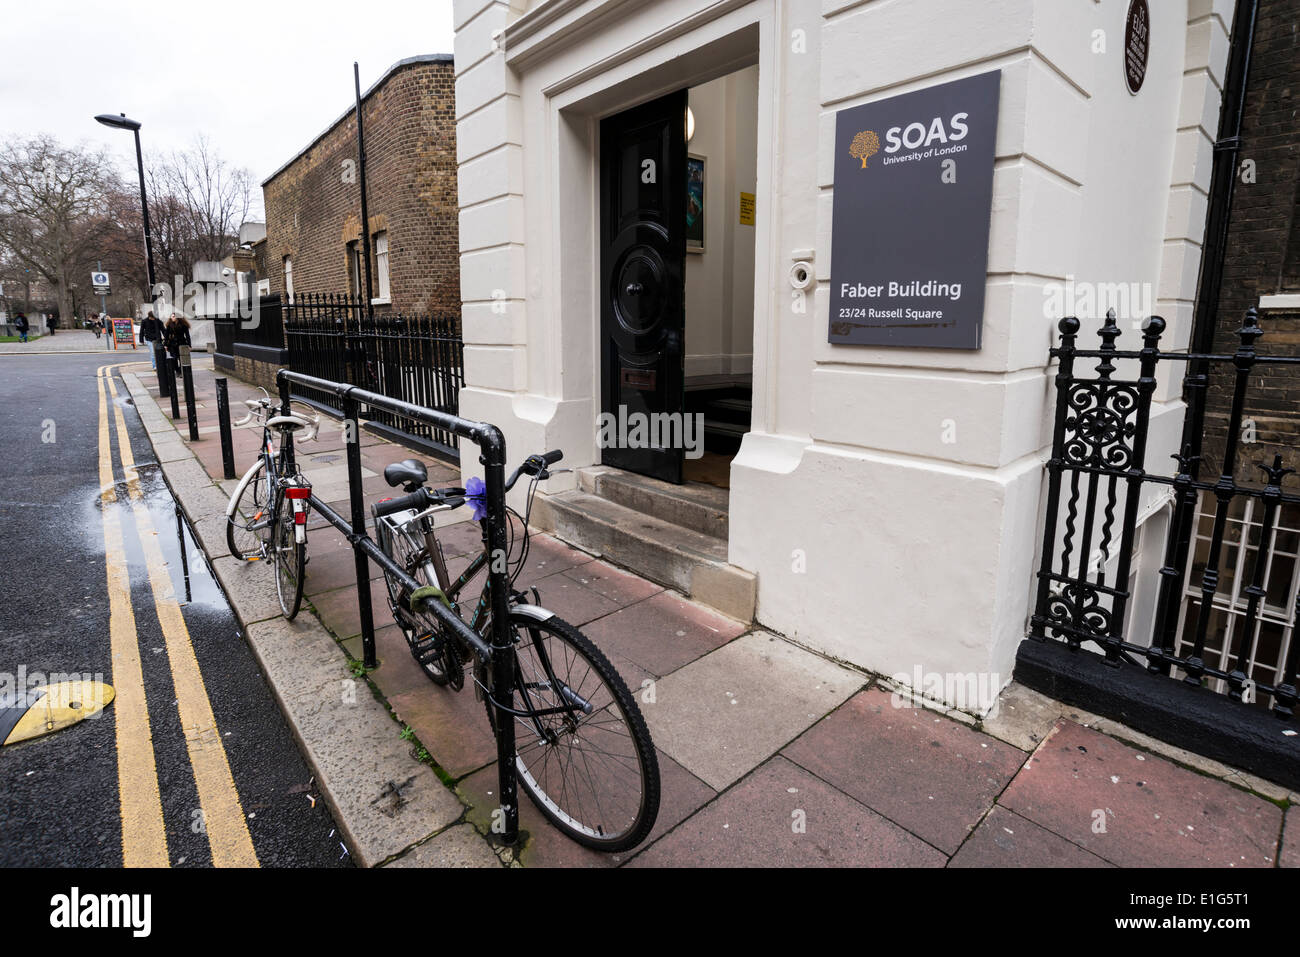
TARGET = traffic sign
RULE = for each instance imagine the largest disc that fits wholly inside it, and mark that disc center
(100, 281)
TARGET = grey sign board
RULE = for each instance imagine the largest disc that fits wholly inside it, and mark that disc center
(910, 228)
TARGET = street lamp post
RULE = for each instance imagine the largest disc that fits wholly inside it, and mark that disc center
(121, 122)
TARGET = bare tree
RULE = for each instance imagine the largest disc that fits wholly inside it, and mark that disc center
(55, 210)
(197, 202)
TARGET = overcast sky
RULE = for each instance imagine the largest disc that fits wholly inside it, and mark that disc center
(260, 86)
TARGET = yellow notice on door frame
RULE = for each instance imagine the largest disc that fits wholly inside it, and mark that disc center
(747, 209)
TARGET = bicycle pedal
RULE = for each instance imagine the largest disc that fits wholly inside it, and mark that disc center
(427, 649)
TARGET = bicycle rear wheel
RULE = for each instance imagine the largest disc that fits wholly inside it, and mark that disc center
(290, 560)
(244, 532)
(589, 767)
(430, 646)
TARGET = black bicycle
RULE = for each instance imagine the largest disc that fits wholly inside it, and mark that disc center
(583, 752)
(266, 519)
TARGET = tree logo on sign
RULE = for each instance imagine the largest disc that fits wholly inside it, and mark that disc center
(865, 145)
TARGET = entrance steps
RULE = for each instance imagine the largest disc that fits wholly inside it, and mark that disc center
(675, 535)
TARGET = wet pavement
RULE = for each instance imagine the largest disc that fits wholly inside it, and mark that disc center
(64, 798)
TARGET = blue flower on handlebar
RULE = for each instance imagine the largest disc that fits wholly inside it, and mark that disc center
(476, 496)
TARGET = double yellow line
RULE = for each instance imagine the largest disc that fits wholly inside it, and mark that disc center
(144, 838)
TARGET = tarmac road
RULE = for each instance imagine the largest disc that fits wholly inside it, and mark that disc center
(192, 763)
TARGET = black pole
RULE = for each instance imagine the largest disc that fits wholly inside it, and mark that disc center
(503, 658)
(361, 171)
(185, 559)
(172, 388)
(223, 423)
(352, 439)
(144, 209)
(187, 376)
(1223, 180)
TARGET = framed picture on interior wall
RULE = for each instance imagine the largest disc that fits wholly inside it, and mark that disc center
(694, 203)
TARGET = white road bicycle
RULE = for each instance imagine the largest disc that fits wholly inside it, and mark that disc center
(266, 519)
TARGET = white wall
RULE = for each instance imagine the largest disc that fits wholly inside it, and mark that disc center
(720, 280)
(875, 539)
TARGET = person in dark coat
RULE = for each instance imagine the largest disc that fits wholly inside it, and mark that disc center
(176, 333)
(151, 332)
(21, 324)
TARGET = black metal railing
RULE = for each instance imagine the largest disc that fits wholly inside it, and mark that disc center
(257, 323)
(316, 333)
(418, 359)
(497, 652)
(1099, 477)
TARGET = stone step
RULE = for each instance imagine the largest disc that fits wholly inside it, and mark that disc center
(735, 410)
(669, 554)
(698, 507)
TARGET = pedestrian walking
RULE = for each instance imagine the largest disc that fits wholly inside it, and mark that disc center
(96, 325)
(21, 324)
(176, 333)
(151, 332)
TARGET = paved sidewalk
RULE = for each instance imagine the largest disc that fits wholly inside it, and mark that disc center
(66, 341)
(772, 755)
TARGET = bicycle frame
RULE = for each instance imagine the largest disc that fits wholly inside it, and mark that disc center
(273, 472)
(389, 525)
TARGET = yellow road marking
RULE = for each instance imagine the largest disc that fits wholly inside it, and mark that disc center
(223, 815)
(144, 836)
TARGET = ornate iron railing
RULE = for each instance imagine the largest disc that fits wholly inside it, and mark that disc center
(1099, 478)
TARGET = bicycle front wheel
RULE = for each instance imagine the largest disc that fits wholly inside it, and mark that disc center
(589, 764)
(290, 560)
(246, 528)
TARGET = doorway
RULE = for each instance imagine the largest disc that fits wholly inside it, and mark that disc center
(677, 216)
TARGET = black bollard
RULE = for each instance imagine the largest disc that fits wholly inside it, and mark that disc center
(172, 390)
(223, 421)
(191, 413)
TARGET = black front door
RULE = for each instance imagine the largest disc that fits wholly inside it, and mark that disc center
(642, 307)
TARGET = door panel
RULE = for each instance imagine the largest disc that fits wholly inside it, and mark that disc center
(643, 265)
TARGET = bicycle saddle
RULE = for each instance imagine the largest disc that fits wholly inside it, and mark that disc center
(409, 473)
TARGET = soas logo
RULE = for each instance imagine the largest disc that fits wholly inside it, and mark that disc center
(865, 145)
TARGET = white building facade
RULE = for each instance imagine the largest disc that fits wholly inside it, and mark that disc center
(886, 501)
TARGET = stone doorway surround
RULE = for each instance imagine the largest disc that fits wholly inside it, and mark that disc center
(844, 492)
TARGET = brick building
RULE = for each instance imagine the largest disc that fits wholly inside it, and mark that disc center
(313, 202)
(1261, 265)
(1260, 268)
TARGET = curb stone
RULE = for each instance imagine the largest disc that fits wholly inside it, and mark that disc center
(385, 801)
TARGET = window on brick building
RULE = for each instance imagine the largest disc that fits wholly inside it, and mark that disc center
(288, 278)
(381, 266)
(354, 268)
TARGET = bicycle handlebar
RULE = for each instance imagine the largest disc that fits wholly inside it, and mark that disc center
(421, 499)
(535, 465)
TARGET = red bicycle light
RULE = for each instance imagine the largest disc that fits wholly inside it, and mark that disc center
(300, 518)
(298, 491)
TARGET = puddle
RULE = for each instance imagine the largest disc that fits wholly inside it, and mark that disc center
(187, 565)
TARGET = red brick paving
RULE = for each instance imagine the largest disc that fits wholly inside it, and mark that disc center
(782, 816)
(1156, 814)
(1290, 856)
(929, 774)
(662, 633)
(1005, 839)
(682, 795)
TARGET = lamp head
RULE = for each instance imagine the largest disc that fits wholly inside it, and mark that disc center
(117, 121)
